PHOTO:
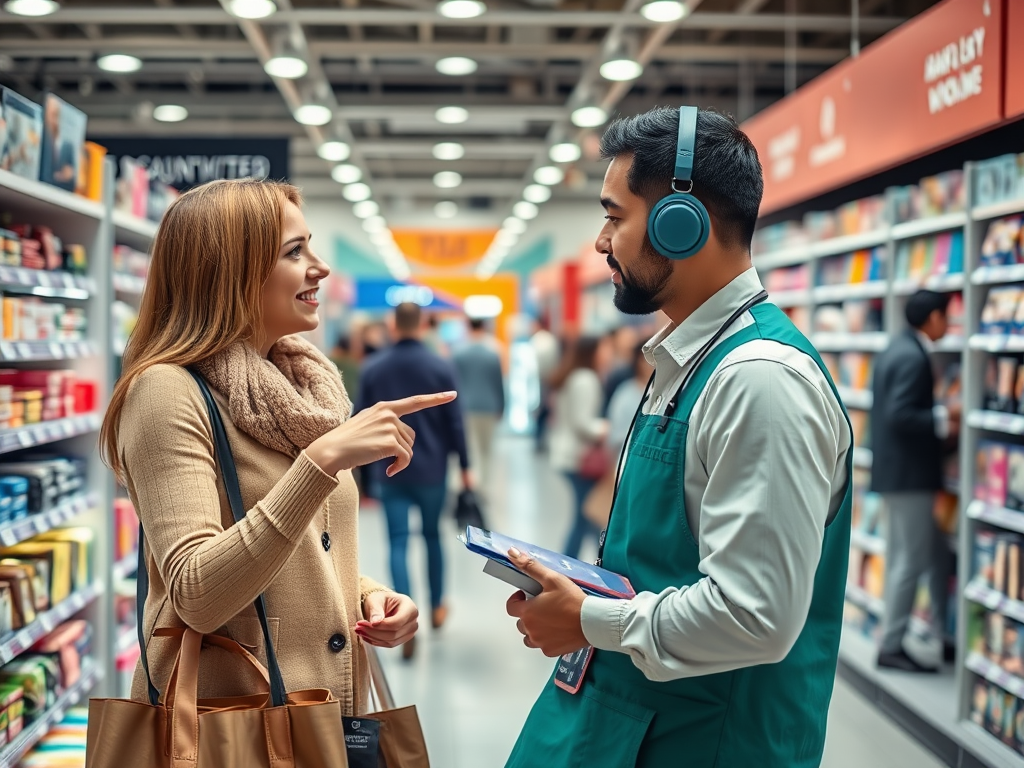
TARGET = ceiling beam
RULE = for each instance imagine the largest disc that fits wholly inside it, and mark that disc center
(142, 16)
(504, 189)
(745, 8)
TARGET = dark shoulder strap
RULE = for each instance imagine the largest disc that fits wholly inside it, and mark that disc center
(229, 474)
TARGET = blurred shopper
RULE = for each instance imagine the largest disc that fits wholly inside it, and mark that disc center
(547, 351)
(406, 369)
(626, 400)
(233, 280)
(621, 368)
(576, 429)
(348, 366)
(482, 385)
(732, 519)
(432, 337)
(907, 434)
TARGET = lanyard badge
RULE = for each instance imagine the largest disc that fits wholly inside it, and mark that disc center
(571, 669)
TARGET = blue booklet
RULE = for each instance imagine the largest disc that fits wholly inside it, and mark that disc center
(592, 579)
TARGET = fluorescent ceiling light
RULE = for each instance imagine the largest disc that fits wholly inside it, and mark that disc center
(589, 117)
(346, 174)
(482, 306)
(525, 210)
(564, 153)
(537, 193)
(335, 151)
(313, 114)
(451, 115)
(287, 67)
(446, 209)
(356, 192)
(461, 9)
(365, 209)
(449, 150)
(549, 175)
(31, 7)
(664, 10)
(456, 65)
(252, 9)
(621, 70)
(375, 224)
(447, 179)
(506, 238)
(119, 62)
(381, 238)
(170, 113)
(512, 224)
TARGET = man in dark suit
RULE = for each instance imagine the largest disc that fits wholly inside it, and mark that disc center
(907, 434)
(408, 368)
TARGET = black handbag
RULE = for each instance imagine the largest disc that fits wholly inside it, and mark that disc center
(467, 511)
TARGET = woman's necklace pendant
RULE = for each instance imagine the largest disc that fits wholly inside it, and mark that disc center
(325, 539)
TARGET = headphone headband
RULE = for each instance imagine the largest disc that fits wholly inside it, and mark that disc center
(685, 144)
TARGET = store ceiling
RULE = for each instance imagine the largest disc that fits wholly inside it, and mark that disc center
(373, 62)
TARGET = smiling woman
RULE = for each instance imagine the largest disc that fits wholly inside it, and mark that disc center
(233, 278)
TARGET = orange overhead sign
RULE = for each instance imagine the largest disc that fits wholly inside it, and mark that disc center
(442, 247)
(931, 82)
(1015, 59)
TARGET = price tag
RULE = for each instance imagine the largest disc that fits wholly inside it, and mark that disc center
(24, 350)
(67, 427)
(69, 280)
(25, 438)
(7, 350)
(48, 622)
(57, 350)
(6, 275)
(40, 524)
(24, 638)
(8, 538)
(44, 279)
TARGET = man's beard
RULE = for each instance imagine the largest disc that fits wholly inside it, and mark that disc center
(640, 292)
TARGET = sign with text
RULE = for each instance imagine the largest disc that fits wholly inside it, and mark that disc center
(931, 82)
(441, 248)
(184, 163)
(1015, 59)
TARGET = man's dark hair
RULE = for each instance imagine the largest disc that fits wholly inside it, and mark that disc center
(477, 323)
(407, 317)
(921, 305)
(726, 172)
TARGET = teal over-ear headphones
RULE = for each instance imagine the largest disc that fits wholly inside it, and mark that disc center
(679, 225)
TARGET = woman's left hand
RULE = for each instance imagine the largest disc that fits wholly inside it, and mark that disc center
(390, 619)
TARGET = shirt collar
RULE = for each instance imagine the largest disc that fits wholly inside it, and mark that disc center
(681, 342)
(928, 344)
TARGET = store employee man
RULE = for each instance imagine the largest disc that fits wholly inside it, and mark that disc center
(732, 518)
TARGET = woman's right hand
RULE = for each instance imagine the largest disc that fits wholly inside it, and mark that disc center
(373, 434)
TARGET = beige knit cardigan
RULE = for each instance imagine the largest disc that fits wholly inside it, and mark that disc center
(205, 570)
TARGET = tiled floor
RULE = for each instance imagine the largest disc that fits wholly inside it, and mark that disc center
(474, 681)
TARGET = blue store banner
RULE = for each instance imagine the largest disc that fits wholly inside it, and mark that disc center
(388, 294)
(187, 162)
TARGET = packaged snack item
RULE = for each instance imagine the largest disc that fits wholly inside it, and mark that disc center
(997, 474)
(31, 676)
(20, 580)
(12, 709)
(984, 556)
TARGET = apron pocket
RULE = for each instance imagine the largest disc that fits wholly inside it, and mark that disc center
(613, 729)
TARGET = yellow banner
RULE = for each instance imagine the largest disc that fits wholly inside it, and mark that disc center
(443, 247)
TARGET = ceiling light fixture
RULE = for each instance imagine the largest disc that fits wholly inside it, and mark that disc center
(549, 175)
(664, 11)
(382, 238)
(621, 70)
(119, 62)
(170, 113)
(506, 238)
(451, 115)
(446, 209)
(31, 7)
(449, 150)
(447, 179)
(252, 9)
(355, 193)
(375, 224)
(365, 209)
(589, 117)
(313, 114)
(514, 225)
(525, 210)
(456, 66)
(537, 193)
(286, 65)
(461, 9)
(346, 174)
(566, 152)
(334, 151)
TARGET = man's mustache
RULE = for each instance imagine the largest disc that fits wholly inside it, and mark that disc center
(614, 264)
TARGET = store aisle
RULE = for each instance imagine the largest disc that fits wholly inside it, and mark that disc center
(474, 681)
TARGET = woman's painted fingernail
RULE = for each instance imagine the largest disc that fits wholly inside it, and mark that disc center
(515, 552)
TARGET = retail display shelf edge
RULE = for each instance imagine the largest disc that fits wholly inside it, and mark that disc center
(941, 283)
(55, 284)
(20, 530)
(979, 593)
(126, 223)
(996, 515)
(859, 597)
(1006, 273)
(994, 673)
(852, 342)
(995, 421)
(998, 210)
(11, 755)
(861, 399)
(929, 226)
(786, 299)
(874, 289)
(126, 566)
(16, 188)
(786, 257)
(48, 432)
(866, 542)
(129, 284)
(45, 351)
(997, 342)
(953, 343)
(19, 641)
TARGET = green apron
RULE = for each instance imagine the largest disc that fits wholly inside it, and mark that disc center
(769, 716)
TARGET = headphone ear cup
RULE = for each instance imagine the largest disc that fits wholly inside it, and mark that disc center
(678, 226)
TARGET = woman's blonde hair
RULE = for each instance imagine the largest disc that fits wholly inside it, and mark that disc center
(214, 250)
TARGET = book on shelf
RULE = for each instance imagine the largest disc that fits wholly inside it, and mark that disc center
(63, 143)
(23, 129)
(1002, 243)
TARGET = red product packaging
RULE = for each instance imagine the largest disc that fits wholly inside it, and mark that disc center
(997, 466)
(85, 397)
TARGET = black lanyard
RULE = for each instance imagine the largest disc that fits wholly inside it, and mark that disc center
(670, 410)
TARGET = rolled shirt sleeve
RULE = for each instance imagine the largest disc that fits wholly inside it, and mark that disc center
(770, 442)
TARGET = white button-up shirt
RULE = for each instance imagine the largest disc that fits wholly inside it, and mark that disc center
(765, 471)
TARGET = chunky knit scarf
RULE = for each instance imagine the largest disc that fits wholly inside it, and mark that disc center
(285, 402)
